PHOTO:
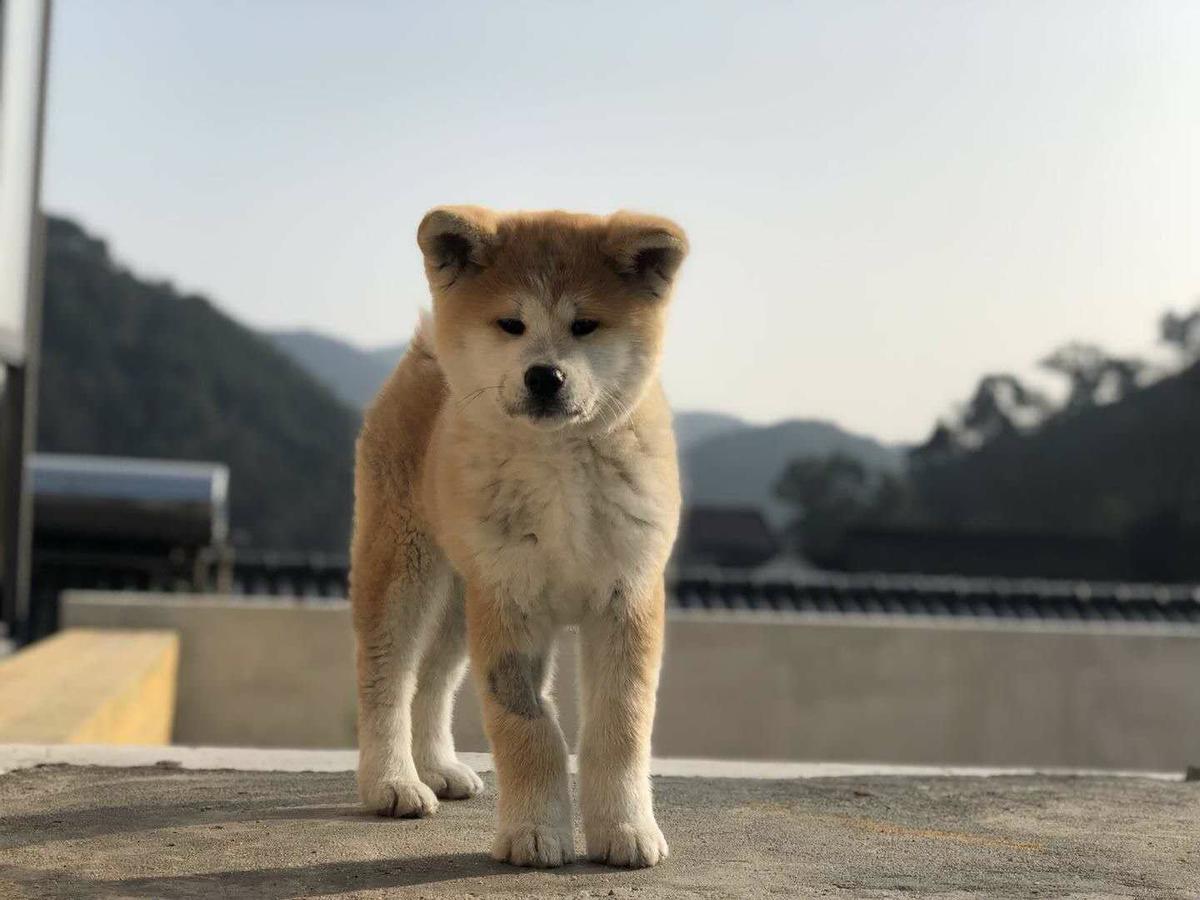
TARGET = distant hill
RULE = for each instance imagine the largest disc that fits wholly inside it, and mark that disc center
(353, 374)
(1102, 470)
(134, 367)
(741, 466)
(1106, 491)
(693, 427)
(726, 462)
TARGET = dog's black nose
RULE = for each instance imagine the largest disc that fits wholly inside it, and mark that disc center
(544, 381)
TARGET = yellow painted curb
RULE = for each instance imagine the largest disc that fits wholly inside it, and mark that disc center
(91, 686)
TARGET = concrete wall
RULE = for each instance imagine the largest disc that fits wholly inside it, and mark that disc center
(753, 686)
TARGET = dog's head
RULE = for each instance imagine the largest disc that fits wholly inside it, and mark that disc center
(553, 319)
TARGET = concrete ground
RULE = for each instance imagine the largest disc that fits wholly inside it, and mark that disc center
(170, 832)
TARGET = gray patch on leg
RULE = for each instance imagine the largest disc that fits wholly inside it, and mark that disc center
(516, 683)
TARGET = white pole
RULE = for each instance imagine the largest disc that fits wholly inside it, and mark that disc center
(21, 67)
(24, 31)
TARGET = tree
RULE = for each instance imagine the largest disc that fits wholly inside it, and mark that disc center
(832, 494)
(1002, 406)
(1093, 376)
(942, 444)
(1182, 333)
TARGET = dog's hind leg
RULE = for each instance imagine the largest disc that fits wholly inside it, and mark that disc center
(399, 583)
(441, 674)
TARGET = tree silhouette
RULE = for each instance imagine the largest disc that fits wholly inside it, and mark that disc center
(831, 495)
(1182, 333)
(1001, 406)
(1093, 376)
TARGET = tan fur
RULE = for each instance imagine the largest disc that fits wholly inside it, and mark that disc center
(483, 523)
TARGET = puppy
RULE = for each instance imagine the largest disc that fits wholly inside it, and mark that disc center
(517, 474)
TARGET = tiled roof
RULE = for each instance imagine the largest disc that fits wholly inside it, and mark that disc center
(924, 596)
(815, 593)
(838, 594)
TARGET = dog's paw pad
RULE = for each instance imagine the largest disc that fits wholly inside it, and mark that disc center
(539, 846)
(631, 846)
(452, 781)
(400, 799)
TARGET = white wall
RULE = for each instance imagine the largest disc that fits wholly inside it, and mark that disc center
(755, 686)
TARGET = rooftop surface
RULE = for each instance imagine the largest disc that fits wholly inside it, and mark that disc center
(167, 831)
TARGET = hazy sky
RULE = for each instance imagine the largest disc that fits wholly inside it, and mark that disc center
(885, 200)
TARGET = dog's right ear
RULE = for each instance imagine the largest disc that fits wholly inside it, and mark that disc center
(457, 242)
(646, 250)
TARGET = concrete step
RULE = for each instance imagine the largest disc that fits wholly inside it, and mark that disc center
(91, 686)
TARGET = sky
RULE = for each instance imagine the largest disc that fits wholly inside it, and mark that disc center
(885, 200)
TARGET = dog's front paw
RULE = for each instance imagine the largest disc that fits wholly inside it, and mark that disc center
(539, 846)
(452, 780)
(401, 798)
(627, 844)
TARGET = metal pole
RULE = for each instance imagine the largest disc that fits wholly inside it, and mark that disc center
(29, 627)
(19, 406)
(16, 611)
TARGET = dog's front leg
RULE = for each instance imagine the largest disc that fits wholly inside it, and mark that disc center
(620, 652)
(512, 663)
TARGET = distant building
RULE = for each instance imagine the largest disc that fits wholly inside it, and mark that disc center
(733, 537)
(117, 499)
(129, 524)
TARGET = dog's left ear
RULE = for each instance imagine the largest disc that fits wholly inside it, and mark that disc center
(646, 250)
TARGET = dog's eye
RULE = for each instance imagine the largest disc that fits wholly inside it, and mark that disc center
(511, 326)
(580, 327)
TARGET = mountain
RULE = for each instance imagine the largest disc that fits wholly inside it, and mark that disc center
(135, 368)
(388, 355)
(725, 460)
(1104, 491)
(693, 427)
(1105, 469)
(739, 466)
(354, 375)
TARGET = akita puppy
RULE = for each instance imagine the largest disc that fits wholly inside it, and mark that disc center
(515, 475)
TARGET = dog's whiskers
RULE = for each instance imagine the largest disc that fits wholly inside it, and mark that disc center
(612, 409)
(462, 403)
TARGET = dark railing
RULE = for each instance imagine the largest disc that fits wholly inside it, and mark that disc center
(925, 596)
(326, 576)
(291, 574)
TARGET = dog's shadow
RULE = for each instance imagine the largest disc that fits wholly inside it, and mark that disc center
(269, 883)
(279, 883)
(23, 830)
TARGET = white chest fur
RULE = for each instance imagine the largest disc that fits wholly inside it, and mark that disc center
(556, 523)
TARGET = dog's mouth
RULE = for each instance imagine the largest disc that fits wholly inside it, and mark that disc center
(541, 413)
